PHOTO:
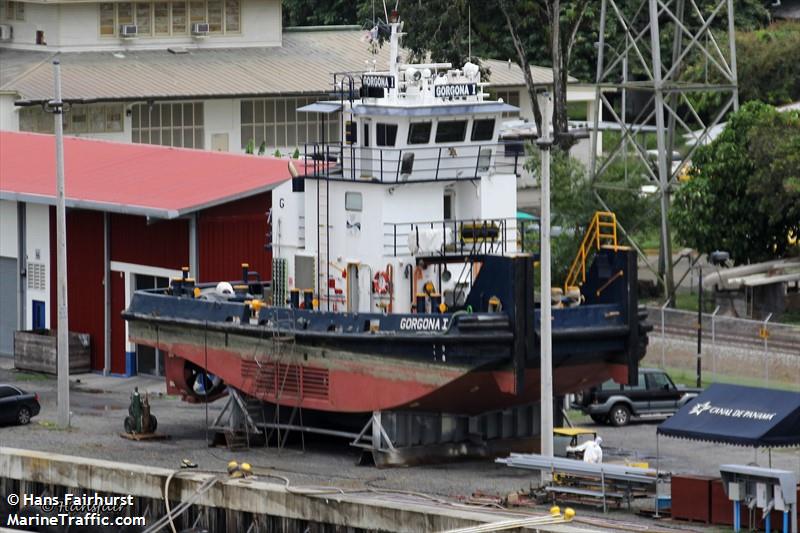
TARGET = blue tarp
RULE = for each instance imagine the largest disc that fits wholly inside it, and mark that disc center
(733, 414)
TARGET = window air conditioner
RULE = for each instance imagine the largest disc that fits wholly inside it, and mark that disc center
(6, 32)
(128, 30)
(200, 28)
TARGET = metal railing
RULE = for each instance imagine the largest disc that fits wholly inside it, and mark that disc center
(458, 237)
(424, 163)
(602, 231)
(747, 350)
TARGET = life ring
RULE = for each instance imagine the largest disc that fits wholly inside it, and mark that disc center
(381, 283)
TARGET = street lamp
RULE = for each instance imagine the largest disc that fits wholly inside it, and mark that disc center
(716, 258)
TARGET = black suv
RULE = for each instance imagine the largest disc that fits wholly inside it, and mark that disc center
(16, 405)
(654, 394)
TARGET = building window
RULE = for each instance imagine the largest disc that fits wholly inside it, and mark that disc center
(14, 10)
(90, 118)
(451, 131)
(511, 98)
(168, 18)
(385, 134)
(274, 123)
(178, 18)
(168, 124)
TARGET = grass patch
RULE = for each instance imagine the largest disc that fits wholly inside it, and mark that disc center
(52, 426)
(31, 376)
(577, 417)
(688, 378)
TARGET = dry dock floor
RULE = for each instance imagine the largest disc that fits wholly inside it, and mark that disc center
(99, 405)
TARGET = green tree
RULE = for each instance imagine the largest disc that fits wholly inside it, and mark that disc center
(744, 191)
(573, 203)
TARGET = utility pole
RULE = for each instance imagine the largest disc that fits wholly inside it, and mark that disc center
(700, 327)
(57, 108)
(545, 143)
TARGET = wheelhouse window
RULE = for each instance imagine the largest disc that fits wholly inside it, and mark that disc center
(419, 133)
(451, 131)
(353, 201)
(385, 134)
(482, 129)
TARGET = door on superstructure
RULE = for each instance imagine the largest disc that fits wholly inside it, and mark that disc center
(366, 148)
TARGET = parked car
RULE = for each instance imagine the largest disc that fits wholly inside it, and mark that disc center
(16, 405)
(615, 404)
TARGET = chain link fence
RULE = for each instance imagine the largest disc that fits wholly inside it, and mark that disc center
(746, 351)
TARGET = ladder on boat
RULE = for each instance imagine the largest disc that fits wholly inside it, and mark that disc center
(323, 243)
(601, 234)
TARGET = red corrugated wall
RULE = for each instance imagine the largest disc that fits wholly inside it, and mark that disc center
(163, 243)
(232, 234)
(85, 277)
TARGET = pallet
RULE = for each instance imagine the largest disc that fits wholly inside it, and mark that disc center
(144, 436)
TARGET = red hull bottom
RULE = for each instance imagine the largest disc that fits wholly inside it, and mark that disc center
(357, 384)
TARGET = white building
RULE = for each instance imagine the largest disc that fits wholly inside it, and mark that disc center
(211, 74)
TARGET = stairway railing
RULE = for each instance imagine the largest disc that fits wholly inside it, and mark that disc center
(602, 231)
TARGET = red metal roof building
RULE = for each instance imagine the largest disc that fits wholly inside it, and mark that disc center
(136, 215)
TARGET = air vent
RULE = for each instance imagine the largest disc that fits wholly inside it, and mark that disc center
(36, 277)
(287, 381)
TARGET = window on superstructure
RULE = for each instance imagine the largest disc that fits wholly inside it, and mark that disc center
(168, 124)
(353, 201)
(451, 131)
(419, 133)
(482, 129)
(275, 124)
(385, 134)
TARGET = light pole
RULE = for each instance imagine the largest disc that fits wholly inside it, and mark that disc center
(62, 350)
(716, 258)
(545, 142)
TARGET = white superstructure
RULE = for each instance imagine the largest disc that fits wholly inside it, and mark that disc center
(419, 173)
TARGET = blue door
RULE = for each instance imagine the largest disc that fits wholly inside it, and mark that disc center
(38, 314)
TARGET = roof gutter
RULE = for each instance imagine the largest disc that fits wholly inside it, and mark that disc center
(164, 98)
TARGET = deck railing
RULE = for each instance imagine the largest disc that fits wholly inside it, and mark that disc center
(424, 163)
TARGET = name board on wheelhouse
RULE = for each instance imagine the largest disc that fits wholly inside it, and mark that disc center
(376, 81)
(454, 90)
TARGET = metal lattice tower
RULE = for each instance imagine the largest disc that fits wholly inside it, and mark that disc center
(670, 55)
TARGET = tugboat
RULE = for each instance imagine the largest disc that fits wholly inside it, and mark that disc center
(401, 299)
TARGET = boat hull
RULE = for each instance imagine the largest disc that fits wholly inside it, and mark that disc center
(287, 371)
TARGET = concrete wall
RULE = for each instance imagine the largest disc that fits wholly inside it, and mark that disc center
(76, 27)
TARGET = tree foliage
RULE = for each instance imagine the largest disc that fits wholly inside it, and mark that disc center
(744, 191)
(573, 203)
